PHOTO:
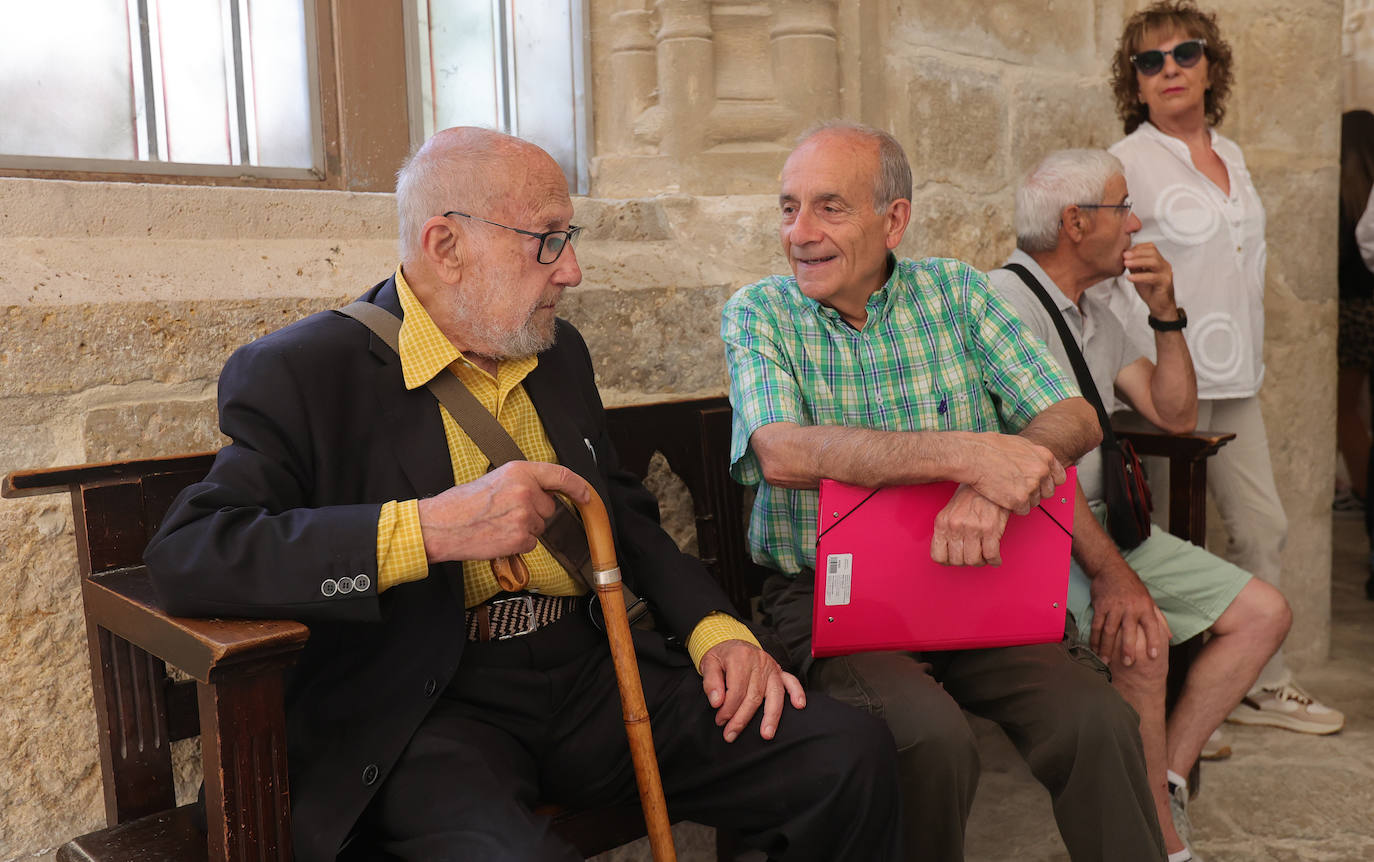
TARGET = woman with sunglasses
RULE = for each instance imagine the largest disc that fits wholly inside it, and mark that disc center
(1193, 195)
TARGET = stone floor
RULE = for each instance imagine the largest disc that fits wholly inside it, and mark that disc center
(1281, 797)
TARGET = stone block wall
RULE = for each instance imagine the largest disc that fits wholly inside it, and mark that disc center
(120, 302)
(1357, 54)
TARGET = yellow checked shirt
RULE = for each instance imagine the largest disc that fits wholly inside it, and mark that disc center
(425, 352)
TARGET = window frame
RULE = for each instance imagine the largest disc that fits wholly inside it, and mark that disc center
(361, 114)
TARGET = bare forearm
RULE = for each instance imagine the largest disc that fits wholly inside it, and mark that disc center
(1067, 428)
(1093, 547)
(1173, 387)
(795, 456)
(1012, 471)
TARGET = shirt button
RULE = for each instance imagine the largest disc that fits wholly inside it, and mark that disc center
(370, 774)
(430, 687)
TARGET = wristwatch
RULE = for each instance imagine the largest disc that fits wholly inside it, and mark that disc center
(1169, 325)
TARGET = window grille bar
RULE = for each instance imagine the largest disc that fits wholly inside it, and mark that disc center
(239, 88)
(145, 59)
(505, 65)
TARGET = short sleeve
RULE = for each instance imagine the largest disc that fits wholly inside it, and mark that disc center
(763, 387)
(1018, 368)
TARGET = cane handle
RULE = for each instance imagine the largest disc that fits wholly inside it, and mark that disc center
(511, 573)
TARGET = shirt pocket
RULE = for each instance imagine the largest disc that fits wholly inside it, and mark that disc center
(944, 409)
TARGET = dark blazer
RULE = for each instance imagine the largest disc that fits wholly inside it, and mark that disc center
(323, 433)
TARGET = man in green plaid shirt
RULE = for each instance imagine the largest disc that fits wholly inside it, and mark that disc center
(874, 371)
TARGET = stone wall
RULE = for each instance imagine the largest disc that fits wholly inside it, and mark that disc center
(121, 301)
(1357, 55)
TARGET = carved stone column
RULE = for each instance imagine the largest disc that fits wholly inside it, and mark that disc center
(632, 72)
(686, 75)
(805, 54)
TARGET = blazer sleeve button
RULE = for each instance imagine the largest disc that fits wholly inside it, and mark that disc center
(370, 774)
(329, 587)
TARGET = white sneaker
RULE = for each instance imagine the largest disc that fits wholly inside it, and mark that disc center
(1216, 747)
(1178, 806)
(1288, 706)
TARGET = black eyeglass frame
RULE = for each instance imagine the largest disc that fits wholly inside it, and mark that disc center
(1149, 68)
(566, 236)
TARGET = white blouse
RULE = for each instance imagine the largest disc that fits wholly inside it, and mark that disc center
(1364, 233)
(1215, 244)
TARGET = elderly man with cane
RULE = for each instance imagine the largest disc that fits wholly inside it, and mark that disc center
(438, 699)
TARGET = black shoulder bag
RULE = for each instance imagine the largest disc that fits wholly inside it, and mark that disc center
(1128, 494)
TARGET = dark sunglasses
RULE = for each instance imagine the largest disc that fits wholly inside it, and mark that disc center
(1186, 55)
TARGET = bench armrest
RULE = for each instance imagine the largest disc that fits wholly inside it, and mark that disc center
(1190, 447)
(122, 601)
(1187, 454)
(51, 480)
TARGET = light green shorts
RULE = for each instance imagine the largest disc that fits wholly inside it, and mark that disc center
(1190, 585)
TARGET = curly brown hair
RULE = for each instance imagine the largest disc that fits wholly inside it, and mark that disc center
(1162, 19)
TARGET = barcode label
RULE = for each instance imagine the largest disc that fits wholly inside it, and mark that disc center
(837, 578)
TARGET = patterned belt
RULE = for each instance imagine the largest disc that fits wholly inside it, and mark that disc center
(512, 616)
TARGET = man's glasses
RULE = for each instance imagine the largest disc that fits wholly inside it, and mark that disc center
(1186, 55)
(1124, 207)
(551, 243)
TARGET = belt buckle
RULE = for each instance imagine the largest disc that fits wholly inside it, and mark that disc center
(530, 622)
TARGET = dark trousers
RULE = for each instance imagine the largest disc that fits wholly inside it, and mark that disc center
(1054, 701)
(538, 719)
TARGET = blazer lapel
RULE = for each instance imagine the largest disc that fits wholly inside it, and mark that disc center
(411, 417)
(552, 396)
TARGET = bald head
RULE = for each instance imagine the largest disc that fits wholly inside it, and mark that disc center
(890, 168)
(465, 168)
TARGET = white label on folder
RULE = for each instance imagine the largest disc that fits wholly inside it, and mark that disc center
(837, 575)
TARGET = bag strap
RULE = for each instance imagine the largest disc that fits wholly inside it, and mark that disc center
(564, 536)
(1080, 366)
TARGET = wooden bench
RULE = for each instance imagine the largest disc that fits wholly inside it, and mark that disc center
(233, 699)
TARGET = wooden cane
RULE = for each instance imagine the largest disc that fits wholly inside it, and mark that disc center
(606, 580)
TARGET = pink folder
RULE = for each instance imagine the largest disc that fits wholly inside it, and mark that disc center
(878, 589)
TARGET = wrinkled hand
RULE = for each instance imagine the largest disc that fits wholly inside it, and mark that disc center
(1125, 618)
(1153, 278)
(500, 514)
(1012, 472)
(968, 530)
(737, 677)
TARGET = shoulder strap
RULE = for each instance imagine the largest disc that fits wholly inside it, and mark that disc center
(564, 535)
(1080, 366)
(462, 405)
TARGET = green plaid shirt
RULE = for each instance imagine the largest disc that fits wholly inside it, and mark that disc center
(939, 351)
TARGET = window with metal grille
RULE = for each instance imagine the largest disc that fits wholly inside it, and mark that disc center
(515, 65)
(210, 87)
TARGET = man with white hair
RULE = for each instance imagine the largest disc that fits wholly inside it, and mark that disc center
(431, 710)
(1074, 229)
